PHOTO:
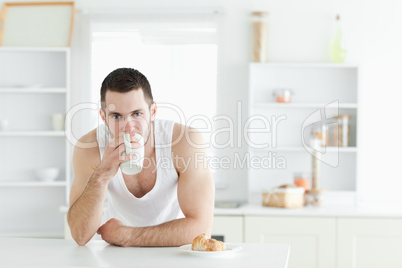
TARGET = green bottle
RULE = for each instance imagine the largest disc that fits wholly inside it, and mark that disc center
(337, 52)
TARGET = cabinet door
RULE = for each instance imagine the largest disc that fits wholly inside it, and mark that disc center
(370, 243)
(228, 229)
(312, 240)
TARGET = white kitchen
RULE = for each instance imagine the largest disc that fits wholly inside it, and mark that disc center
(300, 144)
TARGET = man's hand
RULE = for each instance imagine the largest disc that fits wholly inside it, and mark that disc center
(115, 232)
(113, 156)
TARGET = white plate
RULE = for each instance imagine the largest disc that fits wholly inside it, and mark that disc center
(231, 250)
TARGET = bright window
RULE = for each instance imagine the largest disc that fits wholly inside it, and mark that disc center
(177, 55)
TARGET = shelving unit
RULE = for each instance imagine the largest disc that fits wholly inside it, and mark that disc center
(281, 125)
(34, 84)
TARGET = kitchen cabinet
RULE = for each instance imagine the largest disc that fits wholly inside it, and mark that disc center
(34, 84)
(228, 229)
(318, 237)
(369, 243)
(279, 133)
(312, 240)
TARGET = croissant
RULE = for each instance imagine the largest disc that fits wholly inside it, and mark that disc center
(202, 243)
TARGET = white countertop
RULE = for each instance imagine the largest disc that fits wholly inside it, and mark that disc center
(372, 211)
(28, 252)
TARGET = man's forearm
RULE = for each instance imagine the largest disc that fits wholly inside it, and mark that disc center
(85, 215)
(170, 234)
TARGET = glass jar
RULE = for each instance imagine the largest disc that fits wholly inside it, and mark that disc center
(260, 36)
(316, 197)
(302, 179)
(340, 132)
(282, 95)
(320, 132)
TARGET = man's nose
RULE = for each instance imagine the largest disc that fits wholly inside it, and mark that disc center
(129, 126)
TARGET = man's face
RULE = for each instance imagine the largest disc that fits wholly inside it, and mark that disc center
(128, 113)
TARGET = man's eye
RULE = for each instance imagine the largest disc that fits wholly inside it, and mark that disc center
(116, 117)
(137, 114)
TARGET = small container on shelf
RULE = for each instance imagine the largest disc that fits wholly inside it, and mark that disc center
(260, 36)
(47, 174)
(302, 179)
(316, 197)
(320, 132)
(340, 132)
(283, 95)
(58, 121)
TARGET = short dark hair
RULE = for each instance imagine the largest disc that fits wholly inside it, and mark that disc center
(123, 80)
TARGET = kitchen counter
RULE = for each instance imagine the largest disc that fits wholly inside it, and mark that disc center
(255, 208)
(22, 252)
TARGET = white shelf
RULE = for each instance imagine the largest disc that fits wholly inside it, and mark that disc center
(302, 149)
(304, 65)
(313, 83)
(34, 184)
(32, 133)
(303, 105)
(35, 49)
(32, 90)
(38, 79)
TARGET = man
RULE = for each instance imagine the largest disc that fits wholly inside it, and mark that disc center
(168, 203)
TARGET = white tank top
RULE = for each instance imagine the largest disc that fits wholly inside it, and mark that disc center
(160, 204)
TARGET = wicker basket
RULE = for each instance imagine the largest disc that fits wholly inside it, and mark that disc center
(284, 197)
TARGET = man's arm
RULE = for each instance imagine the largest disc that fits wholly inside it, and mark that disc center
(87, 193)
(196, 193)
(90, 184)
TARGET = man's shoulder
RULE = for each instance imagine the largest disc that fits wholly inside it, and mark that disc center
(186, 138)
(87, 147)
(89, 137)
(88, 141)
